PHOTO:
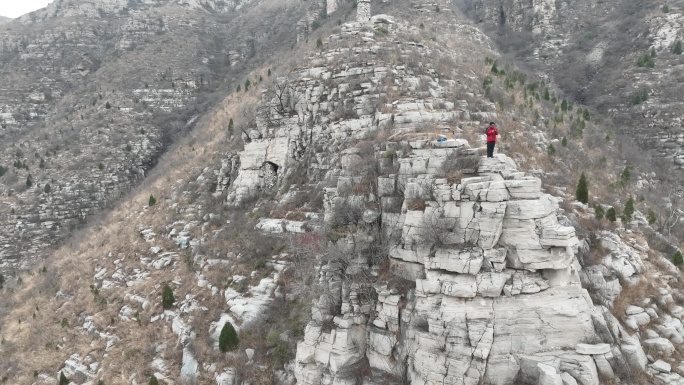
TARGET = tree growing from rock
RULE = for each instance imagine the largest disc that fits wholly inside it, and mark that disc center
(167, 297)
(582, 192)
(63, 380)
(228, 339)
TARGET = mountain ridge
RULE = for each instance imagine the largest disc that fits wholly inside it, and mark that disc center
(320, 211)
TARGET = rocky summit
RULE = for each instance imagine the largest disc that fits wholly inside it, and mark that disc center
(298, 192)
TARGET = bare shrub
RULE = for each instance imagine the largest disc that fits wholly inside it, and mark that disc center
(633, 294)
(456, 165)
(346, 214)
(416, 204)
(434, 230)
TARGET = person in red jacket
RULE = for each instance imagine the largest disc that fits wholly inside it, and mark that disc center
(491, 139)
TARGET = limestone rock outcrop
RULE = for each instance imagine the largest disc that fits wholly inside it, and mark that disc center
(497, 292)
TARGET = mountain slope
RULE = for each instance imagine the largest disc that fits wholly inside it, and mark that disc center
(599, 54)
(326, 185)
(86, 111)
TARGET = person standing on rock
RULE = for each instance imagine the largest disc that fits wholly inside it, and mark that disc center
(492, 132)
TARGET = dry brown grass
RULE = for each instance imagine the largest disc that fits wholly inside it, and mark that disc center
(70, 271)
(633, 294)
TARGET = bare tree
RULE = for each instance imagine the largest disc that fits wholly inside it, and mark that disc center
(247, 121)
(283, 98)
(668, 219)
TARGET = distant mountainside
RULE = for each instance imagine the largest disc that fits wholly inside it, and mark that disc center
(4, 19)
(93, 92)
(298, 192)
(623, 58)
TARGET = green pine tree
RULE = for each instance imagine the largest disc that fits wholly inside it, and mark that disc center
(63, 380)
(564, 142)
(599, 212)
(108, 106)
(628, 211)
(47, 188)
(551, 151)
(624, 177)
(167, 297)
(651, 217)
(585, 114)
(677, 258)
(582, 192)
(153, 381)
(29, 181)
(228, 339)
(677, 48)
(152, 201)
(611, 214)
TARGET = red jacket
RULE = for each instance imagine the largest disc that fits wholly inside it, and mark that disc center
(492, 133)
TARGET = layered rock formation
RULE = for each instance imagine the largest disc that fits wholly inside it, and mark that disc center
(497, 292)
(427, 263)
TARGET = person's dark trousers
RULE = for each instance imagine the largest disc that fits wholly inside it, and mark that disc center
(490, 149)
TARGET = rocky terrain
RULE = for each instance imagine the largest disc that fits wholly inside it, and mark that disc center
(94, 92)
(341, 216)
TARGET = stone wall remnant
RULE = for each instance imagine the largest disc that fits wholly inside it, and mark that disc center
(363, 11)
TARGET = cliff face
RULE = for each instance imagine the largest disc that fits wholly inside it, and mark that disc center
(497, 292)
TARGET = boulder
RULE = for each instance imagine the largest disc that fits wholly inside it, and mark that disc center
(592, 349)
(662, 366)
(458, 261)
(548, 375)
